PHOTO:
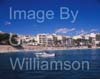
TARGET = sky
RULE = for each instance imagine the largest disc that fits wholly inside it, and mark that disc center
(88, 18)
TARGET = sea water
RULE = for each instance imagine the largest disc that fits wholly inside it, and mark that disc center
(92, 56)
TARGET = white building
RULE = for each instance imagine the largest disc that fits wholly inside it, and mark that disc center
(42, 39)
(98, 39)
(52, 40)
(28, 40)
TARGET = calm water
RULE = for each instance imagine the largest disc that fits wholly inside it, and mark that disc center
(93, 56)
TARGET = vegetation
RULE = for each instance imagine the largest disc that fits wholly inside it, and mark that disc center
(4, 39)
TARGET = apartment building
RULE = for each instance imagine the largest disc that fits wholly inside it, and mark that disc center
(42, 39)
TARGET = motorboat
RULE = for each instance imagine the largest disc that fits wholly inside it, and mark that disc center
(45, 54)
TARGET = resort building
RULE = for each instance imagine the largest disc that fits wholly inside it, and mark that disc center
(82, 40)
(54, 40)
(28, 40)
(42, 39)
(92, 39)
(98, 39)
(50, 40)
(69, 42)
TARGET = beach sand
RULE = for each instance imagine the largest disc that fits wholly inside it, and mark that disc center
(10, 49)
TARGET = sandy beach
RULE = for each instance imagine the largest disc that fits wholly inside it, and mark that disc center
(10, 49)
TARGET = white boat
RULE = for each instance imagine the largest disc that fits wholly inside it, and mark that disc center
(44, 54)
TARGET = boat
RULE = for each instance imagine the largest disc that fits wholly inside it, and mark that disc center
(44, 54)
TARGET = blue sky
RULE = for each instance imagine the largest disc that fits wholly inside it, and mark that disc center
(88, 18)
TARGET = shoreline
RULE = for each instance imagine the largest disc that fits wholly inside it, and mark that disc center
(10, 49)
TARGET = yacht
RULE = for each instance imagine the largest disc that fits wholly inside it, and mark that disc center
(45, 54)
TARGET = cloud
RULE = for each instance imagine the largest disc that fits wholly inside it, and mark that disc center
(81, 32)
(93, 30)
(7, 23)
(0, 31)
(64, 30)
